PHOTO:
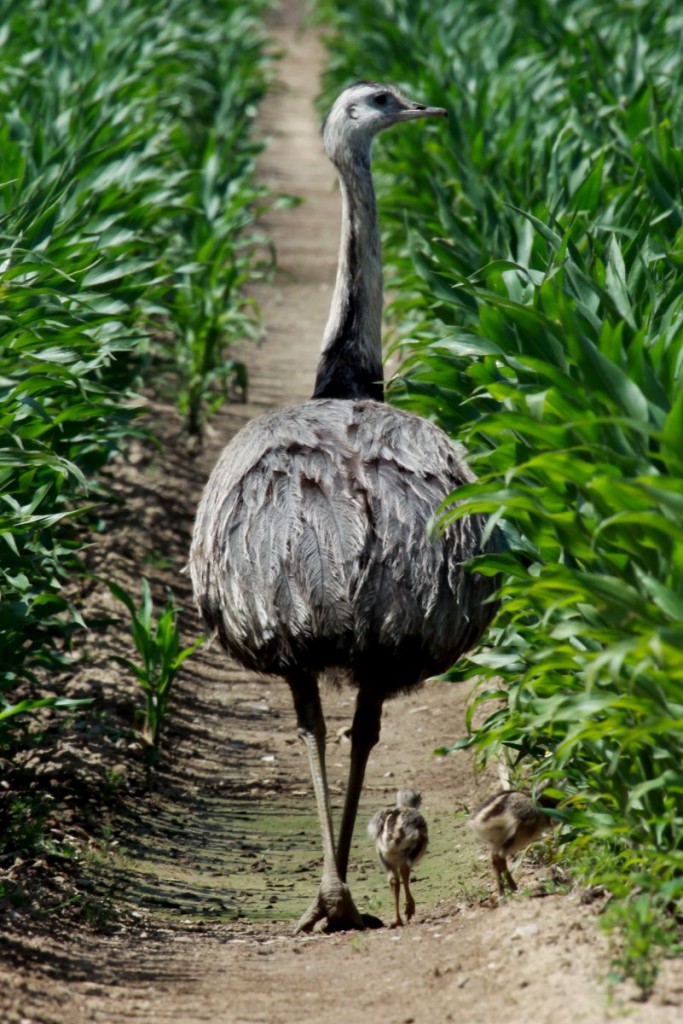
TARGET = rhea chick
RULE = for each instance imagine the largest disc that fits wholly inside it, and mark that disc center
(509, 821)
(401, 837)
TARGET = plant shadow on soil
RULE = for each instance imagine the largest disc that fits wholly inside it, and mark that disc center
(226, 857)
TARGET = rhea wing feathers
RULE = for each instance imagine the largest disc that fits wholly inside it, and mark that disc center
(311, 545)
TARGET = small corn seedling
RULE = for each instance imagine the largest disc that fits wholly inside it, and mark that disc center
(158, 644)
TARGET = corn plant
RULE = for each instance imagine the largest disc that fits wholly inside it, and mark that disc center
(157, 641)
(212, 247)
(541, 313)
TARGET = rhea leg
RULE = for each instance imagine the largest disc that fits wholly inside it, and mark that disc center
(410, 902)
(333, 902)
(502, 873)
(396, 892)
(364, 736)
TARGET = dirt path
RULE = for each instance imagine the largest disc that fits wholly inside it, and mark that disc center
(220, 864)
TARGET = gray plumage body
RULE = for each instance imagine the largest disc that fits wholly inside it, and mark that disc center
(312, 546)
(311, 553)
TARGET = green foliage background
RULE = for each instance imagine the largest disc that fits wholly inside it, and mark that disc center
(127, 229)
(545, 329)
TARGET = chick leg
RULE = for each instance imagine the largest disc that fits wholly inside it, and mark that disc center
(396, 891)
(502, 873)
(410, 902)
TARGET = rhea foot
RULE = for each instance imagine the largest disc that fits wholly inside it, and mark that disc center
(333, 910)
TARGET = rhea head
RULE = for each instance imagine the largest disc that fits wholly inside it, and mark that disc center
(360, 112)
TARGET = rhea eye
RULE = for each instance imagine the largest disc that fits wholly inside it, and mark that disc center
(381, 99)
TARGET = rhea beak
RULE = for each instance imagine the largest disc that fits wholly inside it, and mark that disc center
(419, 110)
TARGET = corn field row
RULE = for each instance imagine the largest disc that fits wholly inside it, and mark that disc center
(537, 259)
(128, 227)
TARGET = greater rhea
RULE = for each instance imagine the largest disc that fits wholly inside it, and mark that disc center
(311, 553)
(509, 821)
(401, 837)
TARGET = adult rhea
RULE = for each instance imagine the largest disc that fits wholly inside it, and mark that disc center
(311, 555)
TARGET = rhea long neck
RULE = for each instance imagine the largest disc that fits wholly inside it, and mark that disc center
(350, 364)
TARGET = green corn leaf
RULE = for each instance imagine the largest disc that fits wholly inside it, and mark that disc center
(615, 281)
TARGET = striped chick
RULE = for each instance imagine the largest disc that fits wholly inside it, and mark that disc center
(509, 821)
(401, 836)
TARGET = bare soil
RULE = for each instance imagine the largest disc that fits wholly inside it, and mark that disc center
(189, 895)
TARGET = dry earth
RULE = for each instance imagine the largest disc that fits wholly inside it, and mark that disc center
(214, 859)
